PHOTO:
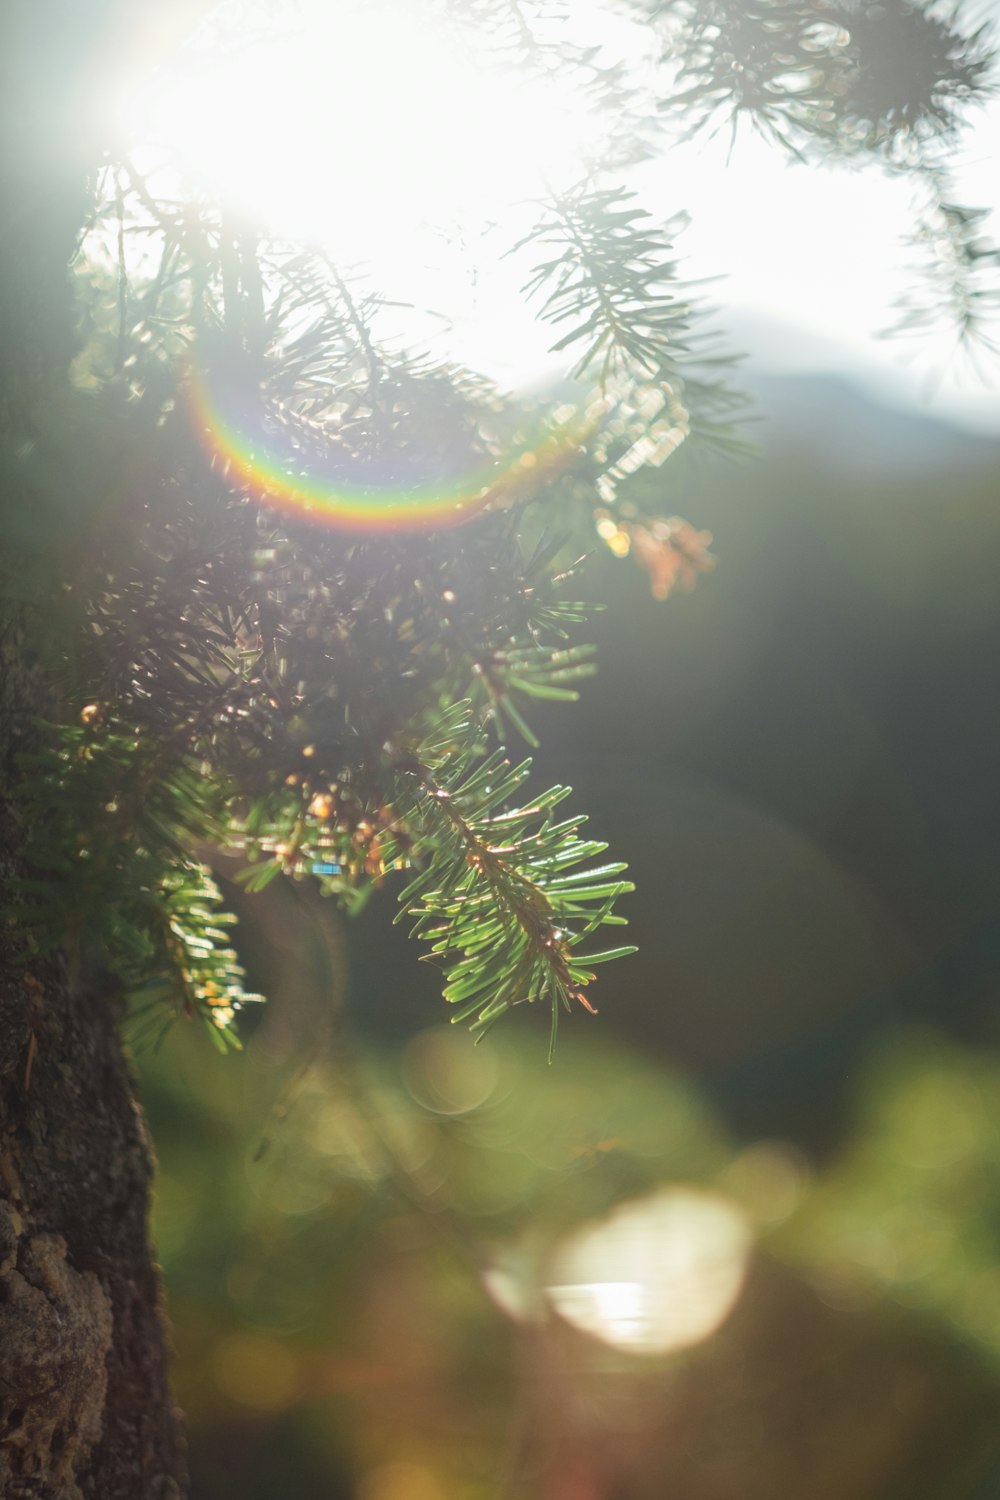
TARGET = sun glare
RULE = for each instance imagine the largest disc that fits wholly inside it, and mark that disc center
(359, 128)
(412, 147)
(406, 147)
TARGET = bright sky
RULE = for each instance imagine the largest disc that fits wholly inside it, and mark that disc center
(390, 148)
(822, 252)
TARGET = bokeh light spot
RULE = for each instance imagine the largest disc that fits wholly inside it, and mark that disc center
(259, 1373)
(658, 1275)
(447, 1076)
(769, 1179)
(400, 1481)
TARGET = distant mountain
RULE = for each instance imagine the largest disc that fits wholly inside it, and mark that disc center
(845, 428)
(823, 403)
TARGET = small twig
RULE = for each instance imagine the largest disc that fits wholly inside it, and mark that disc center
(122, 273)
(29, 1061)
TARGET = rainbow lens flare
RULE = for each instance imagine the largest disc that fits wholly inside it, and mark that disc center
(270, 467)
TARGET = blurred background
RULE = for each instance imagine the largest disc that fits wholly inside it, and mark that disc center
(742, 1240)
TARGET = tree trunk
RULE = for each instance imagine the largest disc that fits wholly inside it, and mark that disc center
(85, 1408)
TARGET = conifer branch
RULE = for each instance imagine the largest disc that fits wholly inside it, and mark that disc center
(500, 901)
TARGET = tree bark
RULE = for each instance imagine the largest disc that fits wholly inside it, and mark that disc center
(85, 1407)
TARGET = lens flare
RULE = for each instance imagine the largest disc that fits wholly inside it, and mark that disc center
(260, 457)
(660, 1274)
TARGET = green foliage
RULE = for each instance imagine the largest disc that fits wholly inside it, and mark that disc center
(335, 702)
(501, 903)
(109, 827)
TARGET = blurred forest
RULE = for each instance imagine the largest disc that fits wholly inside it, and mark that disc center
(397, 1264)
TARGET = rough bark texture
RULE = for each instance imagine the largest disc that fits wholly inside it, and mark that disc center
(85, 1409)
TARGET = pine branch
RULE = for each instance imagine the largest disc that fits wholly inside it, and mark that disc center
(885, 80)
(614, 278)
(499, 900)
(956, 280)
(108, 823)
